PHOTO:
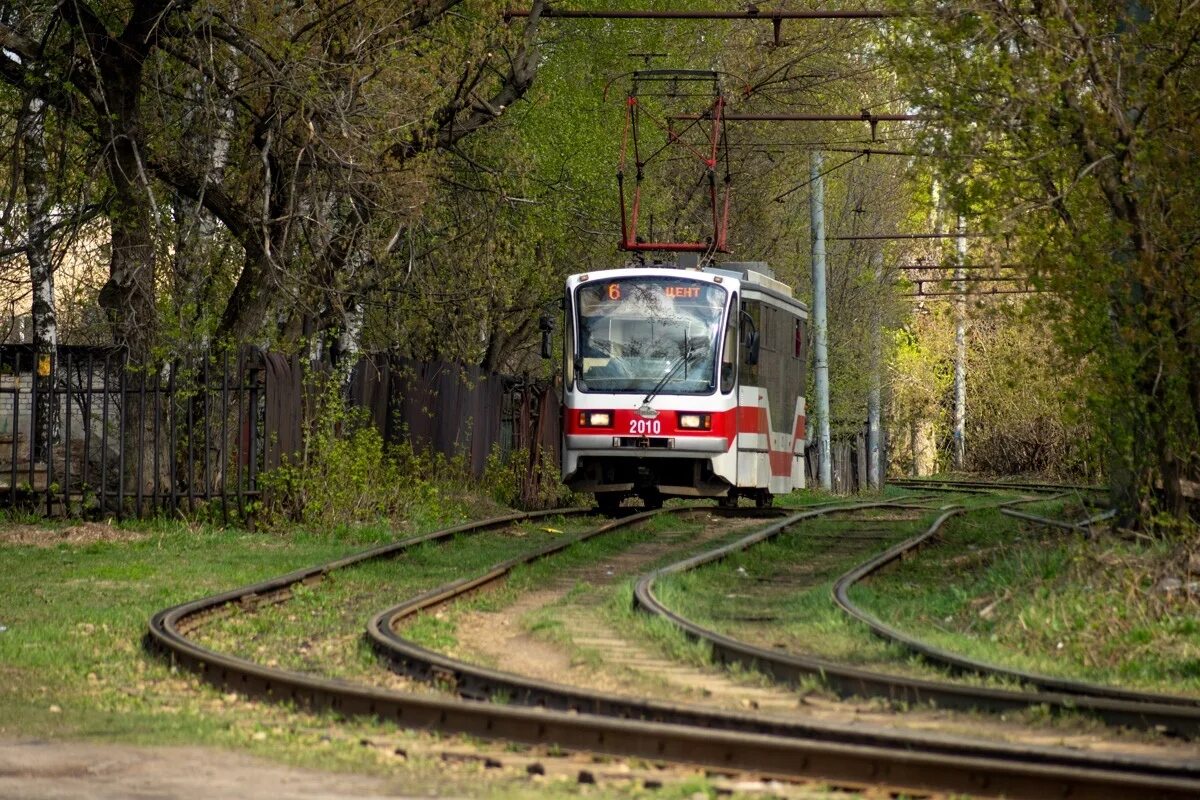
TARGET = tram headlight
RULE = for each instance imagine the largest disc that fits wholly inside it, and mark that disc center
(595, 419)
(695, 422)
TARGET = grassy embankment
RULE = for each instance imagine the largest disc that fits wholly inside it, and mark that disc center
(71, 662)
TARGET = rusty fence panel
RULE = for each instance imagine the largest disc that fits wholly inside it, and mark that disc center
(88, 433)
(458, 410)
(85, 432)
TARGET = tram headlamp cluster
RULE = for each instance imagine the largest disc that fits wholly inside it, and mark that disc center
(595, 419)
(695, 422)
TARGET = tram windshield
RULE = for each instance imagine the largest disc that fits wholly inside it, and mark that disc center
(648, 334)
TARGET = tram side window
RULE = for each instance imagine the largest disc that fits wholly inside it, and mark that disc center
(792, 383)
(780, 367)
(753, 310)
(776, 370)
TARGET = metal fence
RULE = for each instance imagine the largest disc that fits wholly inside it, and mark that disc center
(89, 433)
(461, 411)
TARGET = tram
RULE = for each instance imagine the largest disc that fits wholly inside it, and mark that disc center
(683, 383)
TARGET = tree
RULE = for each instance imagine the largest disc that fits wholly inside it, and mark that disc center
(299, 129)
(35, 168)
(1071, 127)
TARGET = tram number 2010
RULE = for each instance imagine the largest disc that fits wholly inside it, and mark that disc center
(645, 427)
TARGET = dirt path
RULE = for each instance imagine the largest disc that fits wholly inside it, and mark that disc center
(85, 771)
(500, 638)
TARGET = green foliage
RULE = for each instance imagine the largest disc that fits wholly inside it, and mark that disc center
(921, 375)
(1024, 399)
(346, 475)
(1071, 130)
(510, 481)
(502, 476)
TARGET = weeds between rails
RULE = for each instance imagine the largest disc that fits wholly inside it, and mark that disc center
(1162, 713)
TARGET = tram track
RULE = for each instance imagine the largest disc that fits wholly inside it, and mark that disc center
(913, 763)
(472, 681)
(1162, 713)
(974, 486)
(1173, 713)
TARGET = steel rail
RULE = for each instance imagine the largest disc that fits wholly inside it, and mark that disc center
(780, 756)
(756, 14)
(866, 116)
(475, 682)
(848, 681)
(1174, 713)
(1049, 522)
(933, 484)
(279, 588)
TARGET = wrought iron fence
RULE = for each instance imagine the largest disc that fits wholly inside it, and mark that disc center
(87, 432)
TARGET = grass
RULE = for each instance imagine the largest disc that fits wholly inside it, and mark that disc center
(71, 662)
(73, 616)
(777, 593)
(320, 630)
(71, 654)
(1011, 593)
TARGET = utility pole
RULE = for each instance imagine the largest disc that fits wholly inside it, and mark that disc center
(874, 391)
(820, 326)
(960, 351)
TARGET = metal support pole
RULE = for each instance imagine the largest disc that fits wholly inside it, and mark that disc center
(820, 325)
(874, 465)
(960, 353)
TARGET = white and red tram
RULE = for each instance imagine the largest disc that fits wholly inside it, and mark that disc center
(683, 383)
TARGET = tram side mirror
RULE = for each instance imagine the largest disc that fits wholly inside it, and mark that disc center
(751, 348)
(546, 325)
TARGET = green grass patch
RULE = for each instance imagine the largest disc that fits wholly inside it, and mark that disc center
(72, 663)
(778, 594)
(1044, 600)
(320, 630)
(808, 497)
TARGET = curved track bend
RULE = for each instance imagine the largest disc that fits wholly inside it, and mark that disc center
(1178, 715)
(916, 763)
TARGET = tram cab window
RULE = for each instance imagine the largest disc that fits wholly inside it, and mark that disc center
(729, 350)
(568, 346)
(648, 334)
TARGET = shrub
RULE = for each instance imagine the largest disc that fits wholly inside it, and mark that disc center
(346, 474)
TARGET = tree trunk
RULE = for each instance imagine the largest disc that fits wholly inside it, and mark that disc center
(35, 170)
(128, 295)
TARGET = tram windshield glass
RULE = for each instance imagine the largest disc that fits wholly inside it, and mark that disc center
(639, 332)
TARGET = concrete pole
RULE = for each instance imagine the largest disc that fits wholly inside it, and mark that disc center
(874, 465)
(960, 352)
(820, 325)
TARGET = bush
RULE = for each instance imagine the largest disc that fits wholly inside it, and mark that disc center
(510, 482)
(346, 474)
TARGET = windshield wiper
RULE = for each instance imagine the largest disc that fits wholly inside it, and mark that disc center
(679, 362)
